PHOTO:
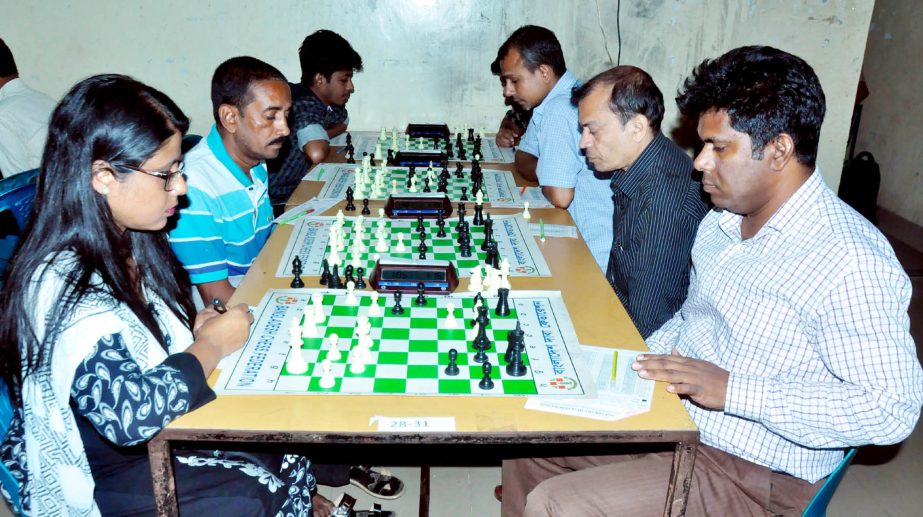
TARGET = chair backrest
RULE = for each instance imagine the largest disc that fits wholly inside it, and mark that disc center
(6, 478)
(16, 196)
(818, 505)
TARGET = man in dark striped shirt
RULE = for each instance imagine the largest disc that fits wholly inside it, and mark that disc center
(658, 203)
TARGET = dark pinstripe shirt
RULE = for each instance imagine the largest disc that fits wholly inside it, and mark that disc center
(658, 206)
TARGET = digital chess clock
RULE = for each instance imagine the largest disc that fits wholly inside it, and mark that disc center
(392, 275)
(428, 130)
(411, 206)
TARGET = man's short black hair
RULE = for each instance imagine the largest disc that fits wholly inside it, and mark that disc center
(537, 46)
(633, 92)
(232, 79)
(325, 52)
(7, 63)
(766, 92)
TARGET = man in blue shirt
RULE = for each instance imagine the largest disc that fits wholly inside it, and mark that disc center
(534, 76)
(328, 63)
(658, 204)
(228, 217)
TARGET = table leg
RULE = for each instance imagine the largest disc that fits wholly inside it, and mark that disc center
(680, 479)
(424, 491)
(158, 451)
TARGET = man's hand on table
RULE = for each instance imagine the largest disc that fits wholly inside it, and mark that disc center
(509, 133)
(701, 381)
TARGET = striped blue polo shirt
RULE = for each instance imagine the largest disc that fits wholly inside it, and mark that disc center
(228, 217)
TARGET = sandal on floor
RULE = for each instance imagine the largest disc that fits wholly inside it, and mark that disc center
(380, 484)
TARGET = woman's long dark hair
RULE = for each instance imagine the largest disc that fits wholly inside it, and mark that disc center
(120, 121)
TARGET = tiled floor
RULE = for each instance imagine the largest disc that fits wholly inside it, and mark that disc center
(883, 481)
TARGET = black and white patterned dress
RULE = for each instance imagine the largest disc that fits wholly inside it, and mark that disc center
(78, 443)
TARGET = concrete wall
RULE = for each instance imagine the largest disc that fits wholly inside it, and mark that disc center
(892, 117)
(428, 60)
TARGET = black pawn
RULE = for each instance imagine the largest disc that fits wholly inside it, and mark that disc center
(459, 171)
(297, 282)
(325, 272)
(441, 224)
(397, 308)
(452, 368)
(503, 302)
(350, 206)
(360, 283)
(335, 282)
(426, 185)
(420, 227)
(348, 274)
(365, 207)
(391, 160)
(464, 196)
(420, 301)
(516, 367)
(486, 382)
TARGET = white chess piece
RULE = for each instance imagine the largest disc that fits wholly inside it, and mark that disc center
(341, 217)
(479, 198)
(356, 365)
(308, 328)
(394, 186)
(327, 380)
(413, 184)
(400, 248)
(381, 213)
(383, 135)
(375, 309)
(488, 277)
(296, 364)
(351, 293)
(333, 352)
(494, 282)
(381, 245)
(450, 321)
(525, 211)
(505, 274)
(475, 282)
(355, 258)
(333, 258)
(318, 300)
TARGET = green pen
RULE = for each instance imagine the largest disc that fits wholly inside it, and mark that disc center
(541, 231)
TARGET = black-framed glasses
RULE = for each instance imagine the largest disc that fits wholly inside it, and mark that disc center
(168, 177)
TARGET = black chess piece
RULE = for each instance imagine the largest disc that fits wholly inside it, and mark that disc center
(350, 156)
(471, 134)
(503, 302)
(365, 207)
(482, 318)
(397, 308)
(335, 281)
(420, 227)
(441, 224)
(516, 367)
(348, 274)
(350, 206)
(486, 382)
(349, 138)
(426, 185)
(420, 301)
(464, 196)
(478, 219)
(516, 341)
(452, 368)
(461, 215)
(391, 160)
(297, 282)
(325, 272)
(495, 259)
(360, 283)
(459, 170)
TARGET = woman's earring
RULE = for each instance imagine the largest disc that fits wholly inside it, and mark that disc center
(104, 191)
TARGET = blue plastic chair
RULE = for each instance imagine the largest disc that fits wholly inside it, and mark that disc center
(16, 196)
(6, 479)
(818, 505)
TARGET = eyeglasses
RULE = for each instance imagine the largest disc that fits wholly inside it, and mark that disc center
(168, 177)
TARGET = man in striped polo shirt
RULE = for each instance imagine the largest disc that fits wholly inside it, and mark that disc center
(228, 217)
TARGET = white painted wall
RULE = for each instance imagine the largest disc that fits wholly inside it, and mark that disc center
(892, 118)
(428, 60)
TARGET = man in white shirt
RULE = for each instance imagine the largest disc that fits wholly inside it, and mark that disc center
(24, 115)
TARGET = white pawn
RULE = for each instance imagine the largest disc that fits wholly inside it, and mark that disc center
(355, 258)
(479, 198)
(374, 309)
(525, 211)
(505, 274)
(333, 353)
(475, 282)
(318, 300)
(341, 217)
(400, 248)
(394, 186)
(450, 321)
(308, 328)
(326, 379)
(296, 364)
(381, 214)
(380, 245)
(356, 365)
(383, 135)
(351, 293)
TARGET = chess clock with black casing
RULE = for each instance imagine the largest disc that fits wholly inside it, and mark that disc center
(392, 275)
(410, 206)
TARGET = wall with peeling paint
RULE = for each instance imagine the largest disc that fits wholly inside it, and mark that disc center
(892, 117)
(428, 60)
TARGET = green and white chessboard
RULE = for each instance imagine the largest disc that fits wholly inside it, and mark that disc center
(310, 241)
(410, 351)
(367, 141)
(499, 187)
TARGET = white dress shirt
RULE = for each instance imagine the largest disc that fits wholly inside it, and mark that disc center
(24, 117)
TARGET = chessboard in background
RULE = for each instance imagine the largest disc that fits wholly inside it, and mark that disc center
(366, 142)
(407, 353)
(310, 241)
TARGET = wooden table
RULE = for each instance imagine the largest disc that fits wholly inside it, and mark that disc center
(598, 318)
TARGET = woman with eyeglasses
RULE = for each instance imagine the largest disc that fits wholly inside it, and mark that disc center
(100, 345)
